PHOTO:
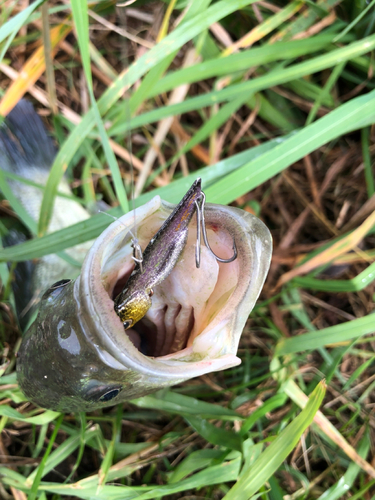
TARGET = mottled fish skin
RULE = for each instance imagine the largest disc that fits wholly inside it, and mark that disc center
(159, 258)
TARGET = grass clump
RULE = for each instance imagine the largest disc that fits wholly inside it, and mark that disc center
(272, 104)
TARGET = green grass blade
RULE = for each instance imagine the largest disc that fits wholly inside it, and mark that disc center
(40, 469)
(80, 15)
(369, 173)
(147, 86)
(56, 457)
(270, 460)
(212, 124)
(361, 281)
(28, 182)
(169, 44)
(14, 24)
(350, 116)
(178, 403)
(276, 77)
(355, 21)
(108, 459)
(274, 21)
(326, 90)
(357, 373)
(331, 335)
(16, 204)
(310, 91)
(242, 61)
(217, 474)
(41, 419)
(270, 405)
(215, 435)
(16, 479)
(197, 460)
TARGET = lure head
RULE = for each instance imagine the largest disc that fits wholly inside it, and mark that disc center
(132, 306)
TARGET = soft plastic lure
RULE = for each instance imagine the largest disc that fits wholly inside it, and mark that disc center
(161, 256)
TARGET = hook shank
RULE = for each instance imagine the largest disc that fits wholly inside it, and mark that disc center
(201, 226)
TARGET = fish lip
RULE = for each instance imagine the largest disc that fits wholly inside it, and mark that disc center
(105, 329)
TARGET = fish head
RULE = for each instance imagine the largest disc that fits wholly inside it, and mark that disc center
(77, 356)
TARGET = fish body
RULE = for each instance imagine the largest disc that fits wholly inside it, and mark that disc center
(28, 151)
(76, 356)
(159, 258)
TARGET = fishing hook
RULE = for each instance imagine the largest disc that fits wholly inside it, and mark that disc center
(201, 224)
(137, 250)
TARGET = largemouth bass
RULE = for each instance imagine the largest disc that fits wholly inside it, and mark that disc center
(77, 356)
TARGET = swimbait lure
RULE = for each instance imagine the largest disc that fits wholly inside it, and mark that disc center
(77, 356)
(161, 256)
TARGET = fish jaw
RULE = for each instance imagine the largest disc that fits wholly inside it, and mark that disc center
(77, 355)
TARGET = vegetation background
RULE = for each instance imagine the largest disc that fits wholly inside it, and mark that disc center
(272, 102)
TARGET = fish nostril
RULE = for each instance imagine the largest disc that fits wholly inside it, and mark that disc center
(60, 284)
(55, 290)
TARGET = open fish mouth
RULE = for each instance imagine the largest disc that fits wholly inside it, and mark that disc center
(187, 300)
(197, 314)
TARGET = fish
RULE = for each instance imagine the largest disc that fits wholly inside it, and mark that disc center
(77, 355)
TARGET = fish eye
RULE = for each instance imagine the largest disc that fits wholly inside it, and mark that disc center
(109, 395)
(150, 292)
(98, 391)
(59, 284)
(128, 323)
